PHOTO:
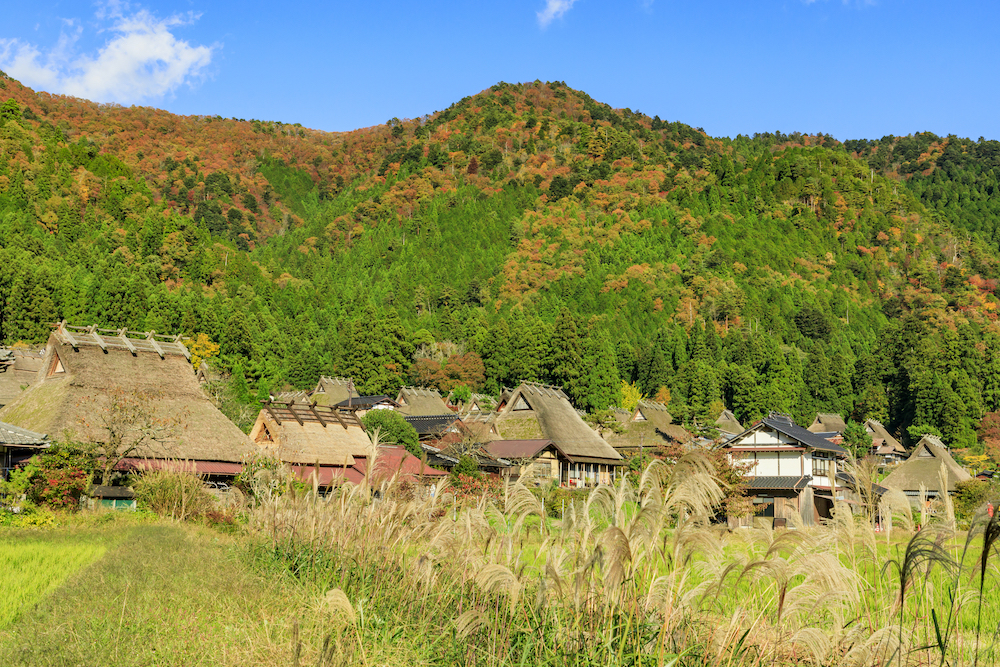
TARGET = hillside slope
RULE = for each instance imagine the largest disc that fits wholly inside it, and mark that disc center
(527, 232)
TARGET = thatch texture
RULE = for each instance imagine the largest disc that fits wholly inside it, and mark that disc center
(554, 419)
(649, 425)
(923, 466)
(827, 422)
(60, 403)
(878, 432)
(310, 442)
(727, 423)
(333, 390)
(18, 370)
(421, 402)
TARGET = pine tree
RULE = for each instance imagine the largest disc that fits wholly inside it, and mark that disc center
(600, 385)
(565, 359)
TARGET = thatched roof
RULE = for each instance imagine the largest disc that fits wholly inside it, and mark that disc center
(310, 434)
(536, 411)
(879, 432)
(923, 466)
(728, 423)
(75, 382)
(18, 369)
(421, 402)
(650, 424)
(827, 422)
(333, 390)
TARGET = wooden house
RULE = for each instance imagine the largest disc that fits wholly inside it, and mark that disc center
(421, 402)
(649, 425)
(83, 366)
(786, 460)
(923, 467)
(17, 445)
(542, 412)
(531, 462)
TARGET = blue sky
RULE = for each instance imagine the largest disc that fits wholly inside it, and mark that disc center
(850, 68)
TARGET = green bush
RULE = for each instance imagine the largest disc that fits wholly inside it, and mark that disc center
(180, 495)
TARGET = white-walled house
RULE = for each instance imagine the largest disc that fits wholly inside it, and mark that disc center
(786, 460)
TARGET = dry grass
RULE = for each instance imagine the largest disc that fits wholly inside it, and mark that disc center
(639, 575)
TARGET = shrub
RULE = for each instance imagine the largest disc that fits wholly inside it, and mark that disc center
(56, 477)
(181, 495)
(393, 430)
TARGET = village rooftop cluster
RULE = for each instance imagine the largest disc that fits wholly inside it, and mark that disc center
(531, 433)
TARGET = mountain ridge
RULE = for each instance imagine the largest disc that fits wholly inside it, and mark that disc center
(526, 207)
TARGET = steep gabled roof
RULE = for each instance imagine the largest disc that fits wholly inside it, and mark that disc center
(783, 424)
(77, 376)
(728, 423)
(923, 466)
(333, 390)
(827, 422)
(648, 425)
(879, 432)
(556, 419)
(421, 402)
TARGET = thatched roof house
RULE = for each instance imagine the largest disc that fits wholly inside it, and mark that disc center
(84, 366)
(537, 411)
(648, 425)
(333, 390)
(923, 468)
(421, 402)
(309, 434)
(728, 424)
(828, 422)
(18, 370)
(885, 447)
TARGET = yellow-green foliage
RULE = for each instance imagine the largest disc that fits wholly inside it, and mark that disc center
(34, 564)
(631, 395)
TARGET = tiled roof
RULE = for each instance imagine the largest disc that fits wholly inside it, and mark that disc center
(784, 424)
(792, 483)
(365, 402)
(432, 424)
(12, 435)
(516, 449)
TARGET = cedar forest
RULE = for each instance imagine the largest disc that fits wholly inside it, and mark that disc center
(524, 233)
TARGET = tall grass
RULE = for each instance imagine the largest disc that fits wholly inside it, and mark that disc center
(633, 576)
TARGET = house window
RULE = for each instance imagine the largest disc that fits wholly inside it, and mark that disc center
(821, 464)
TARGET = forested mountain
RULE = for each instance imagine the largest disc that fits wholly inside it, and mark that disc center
(527, 232)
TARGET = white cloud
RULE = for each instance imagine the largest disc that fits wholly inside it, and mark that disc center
(554, 9)
(141, 59)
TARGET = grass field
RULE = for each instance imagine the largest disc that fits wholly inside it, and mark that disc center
(633, 576)
(34, 563)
